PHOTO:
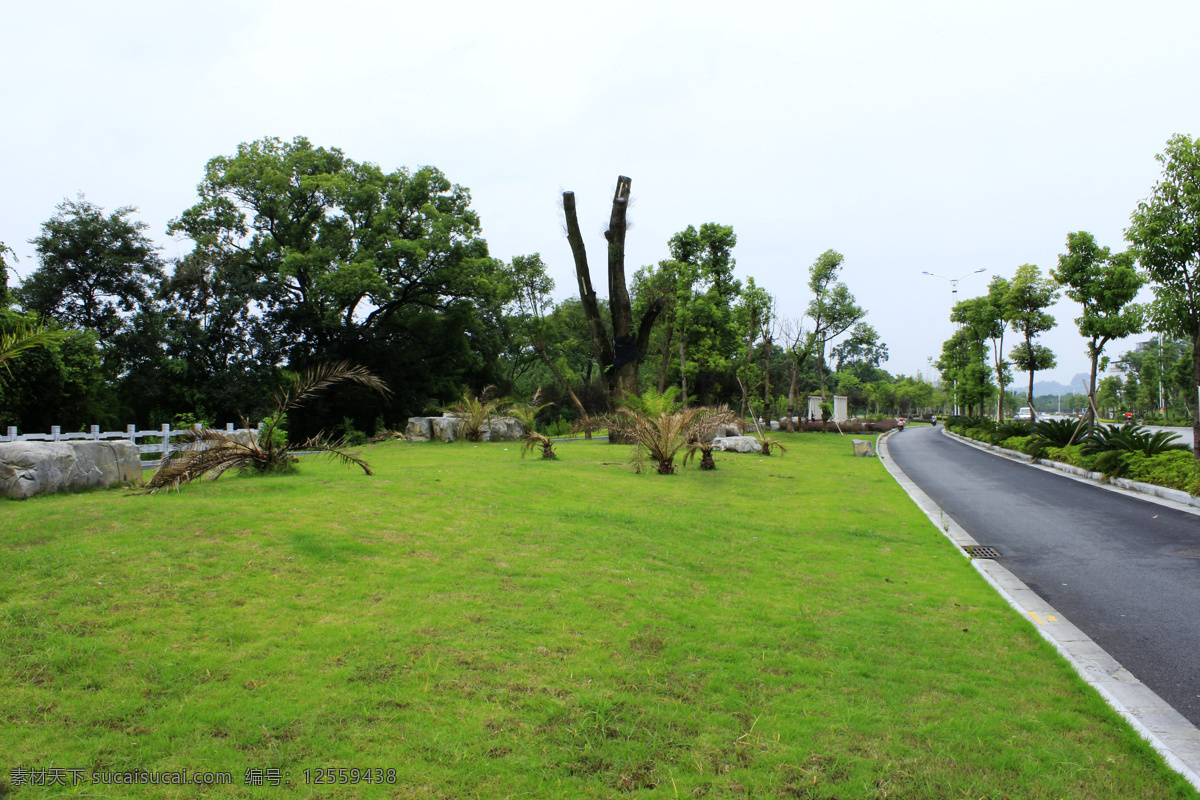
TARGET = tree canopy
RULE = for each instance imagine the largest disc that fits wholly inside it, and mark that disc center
(1164, 232)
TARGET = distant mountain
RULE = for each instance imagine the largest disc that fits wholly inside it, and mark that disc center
(1040, 388)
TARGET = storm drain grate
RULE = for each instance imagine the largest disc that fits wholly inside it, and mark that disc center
(982, 551)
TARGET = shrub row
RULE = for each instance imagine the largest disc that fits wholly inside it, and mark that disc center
(1128, 451)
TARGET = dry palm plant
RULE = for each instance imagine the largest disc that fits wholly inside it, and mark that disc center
(658, 426)
(704, 428)
(527, 413)
(213, 452)
(474, 412)
(766, 443)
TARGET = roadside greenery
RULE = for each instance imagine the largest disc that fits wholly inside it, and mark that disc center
(1119, 451)
(524, 636)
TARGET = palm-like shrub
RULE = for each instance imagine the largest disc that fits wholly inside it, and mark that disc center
(658, 426)
(1131, 438)
(474, 412)
(213, 452)
(527, 414)
(1059, 432)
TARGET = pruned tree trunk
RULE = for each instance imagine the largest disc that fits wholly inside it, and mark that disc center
(587, 295)
(625, 380)
(666, 362)
(619, 359)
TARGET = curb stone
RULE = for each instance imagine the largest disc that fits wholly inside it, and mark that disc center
(1166, 730)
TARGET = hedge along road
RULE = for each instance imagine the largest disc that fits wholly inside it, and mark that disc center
(1123, 570)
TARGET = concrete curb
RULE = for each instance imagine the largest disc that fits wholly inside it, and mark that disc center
(1167, 731)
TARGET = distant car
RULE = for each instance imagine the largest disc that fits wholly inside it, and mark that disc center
(1024, 414)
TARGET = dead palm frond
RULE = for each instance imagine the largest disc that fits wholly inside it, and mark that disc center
(212, 452)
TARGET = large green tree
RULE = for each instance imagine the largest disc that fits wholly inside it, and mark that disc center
(704, 294)
(96, 270)
(1164, 232)
(964, 364)
(5, 253)
(832, 310)
(1105, 285)
(343, 260)
(985, 319)
(1025, 304)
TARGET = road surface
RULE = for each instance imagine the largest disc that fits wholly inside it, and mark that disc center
(1124, 571)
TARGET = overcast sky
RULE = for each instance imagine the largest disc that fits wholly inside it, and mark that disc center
(916, 136)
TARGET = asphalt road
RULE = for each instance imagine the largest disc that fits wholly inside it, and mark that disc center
(1124, 571)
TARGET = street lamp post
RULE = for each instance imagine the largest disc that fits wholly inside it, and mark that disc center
(953, 303)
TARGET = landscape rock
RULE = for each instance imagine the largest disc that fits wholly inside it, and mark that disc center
(863, 447)
(503, 429)
(445, 429)
(33, 468)
(419, 429)
(737, 444)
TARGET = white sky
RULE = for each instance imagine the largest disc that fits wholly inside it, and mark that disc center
(939, 136)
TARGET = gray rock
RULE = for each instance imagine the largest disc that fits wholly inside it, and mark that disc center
(863, 447)
(774, 424)
(444, 429)
(32, 468)
(419, 429)
(503, 429)
(737, 444)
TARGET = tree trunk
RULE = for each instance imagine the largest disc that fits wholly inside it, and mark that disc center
(683, 366)
(821, 369)
(620, 381)
(583, 415)
(625, 380)
(666, 362)
(1196, 386)
(791, 426)
(587, 295)
(767, 381)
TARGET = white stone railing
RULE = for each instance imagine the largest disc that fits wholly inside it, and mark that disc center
(163, 446)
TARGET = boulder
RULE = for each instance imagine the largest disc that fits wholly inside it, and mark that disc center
(737, 444)
(444, 429)
(863, 447)
(503, 429)
(419, 429)
(32, 468)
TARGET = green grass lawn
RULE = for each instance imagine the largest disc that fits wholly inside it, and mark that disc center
(487, 626)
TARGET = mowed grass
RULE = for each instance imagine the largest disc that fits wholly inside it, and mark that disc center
(489, 626)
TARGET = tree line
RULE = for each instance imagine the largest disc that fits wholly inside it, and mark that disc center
(300, 255)
(1163, 253)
